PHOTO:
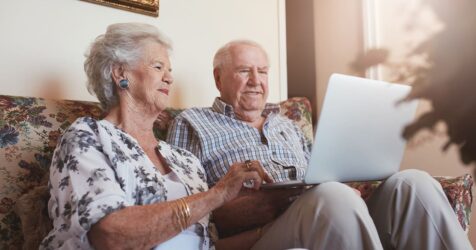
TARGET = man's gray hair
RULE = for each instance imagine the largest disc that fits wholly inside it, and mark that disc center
(222, 56)
(122, 44)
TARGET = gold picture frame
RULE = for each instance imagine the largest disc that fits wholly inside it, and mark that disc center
(146, 7)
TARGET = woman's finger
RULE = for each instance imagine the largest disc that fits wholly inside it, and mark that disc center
(256, 165)
(252, 179)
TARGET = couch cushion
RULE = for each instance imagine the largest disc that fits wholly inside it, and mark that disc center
(32, 208)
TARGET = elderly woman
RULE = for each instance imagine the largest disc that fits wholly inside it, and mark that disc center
(112, 184)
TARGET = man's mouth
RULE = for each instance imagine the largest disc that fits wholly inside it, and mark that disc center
(253, 93)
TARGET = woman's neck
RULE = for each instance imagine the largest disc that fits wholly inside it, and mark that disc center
(137, 124)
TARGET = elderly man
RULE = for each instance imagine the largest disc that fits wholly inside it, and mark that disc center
(408, 211)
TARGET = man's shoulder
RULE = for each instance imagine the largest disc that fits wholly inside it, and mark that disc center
(194, 113)
(279, 117)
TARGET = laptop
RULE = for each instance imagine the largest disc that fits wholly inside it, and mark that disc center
(358, 135)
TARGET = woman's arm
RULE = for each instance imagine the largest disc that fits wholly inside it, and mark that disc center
(143, 227)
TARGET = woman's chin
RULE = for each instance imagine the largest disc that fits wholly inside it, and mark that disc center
(160, 106)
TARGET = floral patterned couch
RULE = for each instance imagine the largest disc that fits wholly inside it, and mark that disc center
(31, 127)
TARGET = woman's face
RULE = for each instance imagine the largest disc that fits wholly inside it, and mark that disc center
(150, 78)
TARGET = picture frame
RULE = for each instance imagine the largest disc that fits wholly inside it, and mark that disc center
(146, 7)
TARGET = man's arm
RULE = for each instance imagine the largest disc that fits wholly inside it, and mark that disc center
(253, 209)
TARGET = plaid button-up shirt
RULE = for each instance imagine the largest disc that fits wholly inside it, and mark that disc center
(219, 139)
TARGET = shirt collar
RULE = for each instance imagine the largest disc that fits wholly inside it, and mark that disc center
(223, 108)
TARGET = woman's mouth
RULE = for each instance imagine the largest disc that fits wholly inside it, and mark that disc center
(165, 91)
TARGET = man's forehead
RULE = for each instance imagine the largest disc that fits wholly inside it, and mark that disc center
(247, 55)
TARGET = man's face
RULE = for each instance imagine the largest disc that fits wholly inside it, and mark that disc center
(243, 79)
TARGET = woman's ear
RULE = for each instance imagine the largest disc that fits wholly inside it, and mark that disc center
(117, 73)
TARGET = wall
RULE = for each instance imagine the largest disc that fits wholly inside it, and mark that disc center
(300, 43)
(339, 39)
(43, 43)
(417, 23)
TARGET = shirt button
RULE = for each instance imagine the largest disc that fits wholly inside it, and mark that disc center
(274, 153)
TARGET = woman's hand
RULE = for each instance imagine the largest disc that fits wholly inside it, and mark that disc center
(249, 174)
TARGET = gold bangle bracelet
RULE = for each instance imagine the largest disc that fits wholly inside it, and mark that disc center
(185, 212)
(177, 216)
(182, 213)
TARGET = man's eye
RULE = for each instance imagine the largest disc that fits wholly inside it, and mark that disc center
(158, 67)
(263, 72)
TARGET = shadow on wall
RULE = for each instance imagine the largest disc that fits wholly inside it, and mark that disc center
(52, 87)
(447, 80)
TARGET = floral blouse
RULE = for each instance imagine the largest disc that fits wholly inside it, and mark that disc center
(97, 169)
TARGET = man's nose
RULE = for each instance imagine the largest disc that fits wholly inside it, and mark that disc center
(254, 77)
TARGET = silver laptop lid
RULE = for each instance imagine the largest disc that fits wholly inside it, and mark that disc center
(358, 136)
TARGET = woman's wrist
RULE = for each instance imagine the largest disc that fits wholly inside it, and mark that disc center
(218, 195)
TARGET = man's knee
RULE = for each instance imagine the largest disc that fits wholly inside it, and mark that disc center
(413, 178)
(332, 199)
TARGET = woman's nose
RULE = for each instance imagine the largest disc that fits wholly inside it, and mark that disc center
(168, 78)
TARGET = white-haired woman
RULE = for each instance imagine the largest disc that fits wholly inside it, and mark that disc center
(112, 185)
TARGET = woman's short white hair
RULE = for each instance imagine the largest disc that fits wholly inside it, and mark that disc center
(122, 44)
(222, 56)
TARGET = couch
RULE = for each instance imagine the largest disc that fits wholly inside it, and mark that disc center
(31, 127)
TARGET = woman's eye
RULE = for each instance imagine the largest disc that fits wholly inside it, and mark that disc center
(158, 67)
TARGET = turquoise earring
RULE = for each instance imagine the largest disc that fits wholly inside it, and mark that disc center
(124, 84)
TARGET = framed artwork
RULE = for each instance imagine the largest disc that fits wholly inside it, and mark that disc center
(146, 7)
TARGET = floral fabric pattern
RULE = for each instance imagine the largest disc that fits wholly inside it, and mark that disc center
(97, 169)
(31, 127)
(29, 131)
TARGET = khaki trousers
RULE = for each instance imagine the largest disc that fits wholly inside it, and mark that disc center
(408, 211)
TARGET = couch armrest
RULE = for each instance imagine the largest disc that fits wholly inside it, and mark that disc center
(458, 190)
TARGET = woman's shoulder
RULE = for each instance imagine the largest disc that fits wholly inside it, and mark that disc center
(169, 148)
(83, 131)
(84, 123)
(183, 159)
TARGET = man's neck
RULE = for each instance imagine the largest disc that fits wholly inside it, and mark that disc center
(253, 118)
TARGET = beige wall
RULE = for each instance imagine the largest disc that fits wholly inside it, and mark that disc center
(424, 152)
(339, 39)
(338, 36)
(43, 43)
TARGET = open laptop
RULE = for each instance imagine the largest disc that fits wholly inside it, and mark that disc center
(358, 136)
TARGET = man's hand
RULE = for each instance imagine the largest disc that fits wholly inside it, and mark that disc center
(252, 209)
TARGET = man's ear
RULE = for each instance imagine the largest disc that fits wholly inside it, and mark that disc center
(117, 72)
(216, 75)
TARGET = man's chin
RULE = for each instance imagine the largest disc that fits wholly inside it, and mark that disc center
(258, 107)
